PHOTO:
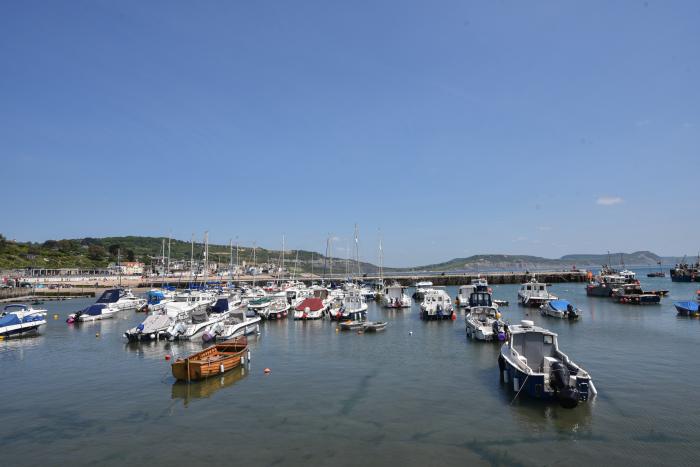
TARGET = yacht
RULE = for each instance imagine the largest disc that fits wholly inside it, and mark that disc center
(21, 320)
(121, 299)
(199, 321)
(277, 309)
(394, 296)
(437, 304)
(532, 363)
(534, 294)
(238, 323)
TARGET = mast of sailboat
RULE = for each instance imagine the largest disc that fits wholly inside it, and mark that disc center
(296, 266)
(119, 265)
(192, 256)
(330, 257)
(230, 261)
(255, 246)
(357, 254)
(162, 256)
(325, 262)
(381, 260)
(206, 256)
(170, 234)
(282, 267)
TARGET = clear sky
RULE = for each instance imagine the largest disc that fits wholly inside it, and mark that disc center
(455, 127)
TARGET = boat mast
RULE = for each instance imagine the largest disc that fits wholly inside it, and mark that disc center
(255, 246)
(162, 257)
(206, 256)
(330, 257)
(169, 236)
(119, 265)
(192, 257)
(282, 267)
(230, 261)
(357, 254)
(381, 260)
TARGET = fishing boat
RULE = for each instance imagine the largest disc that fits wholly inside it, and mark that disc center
(18, 320)
(534, 294)
(689, 307)
(608, 280)
(484, 323)
(531, 363)
(560, 309)
(310, 308)
(421, 288)
(394, 296)
(278, 309)
(374, 326)
(212, 361)
(353, 305)
(479, 298)
(437, 304)
(632, 294)
(463, 293)
(686, 272)
(238, 323)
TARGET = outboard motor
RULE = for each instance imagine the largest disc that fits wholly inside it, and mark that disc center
(559, 377)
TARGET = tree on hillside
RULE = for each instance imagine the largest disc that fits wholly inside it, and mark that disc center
(96, 252)
(130, 255)
(114, 249)
(51, 244)
(3, 242)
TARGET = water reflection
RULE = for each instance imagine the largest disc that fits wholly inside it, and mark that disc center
(208, 387)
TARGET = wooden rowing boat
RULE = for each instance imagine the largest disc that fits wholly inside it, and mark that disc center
(211, 361)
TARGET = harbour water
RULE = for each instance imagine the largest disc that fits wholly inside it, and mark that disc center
(418, 394)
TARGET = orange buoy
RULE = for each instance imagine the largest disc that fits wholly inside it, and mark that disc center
(454, 316)
(167, 357)
(267, 371)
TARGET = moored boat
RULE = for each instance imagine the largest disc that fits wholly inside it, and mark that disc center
(21, 320)
(534, 294)
(632, 294)
(374, 326)
(394, 296)
(310, 308)
(688, 307)
(532, 364)
(562, 309)
(212, 361)
(685, 272)
(437, 305)
(484, 323)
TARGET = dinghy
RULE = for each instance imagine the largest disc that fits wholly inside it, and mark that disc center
(212, 361)
(375, 326)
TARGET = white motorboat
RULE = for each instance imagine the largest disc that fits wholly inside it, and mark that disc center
(353, 306)
(437, 304)
(484, 323)
(121, 299)
(238, 323)
(277, 309)
(463, 293)
(310, 308)
(21, 320)
(199, 321)
(394, 296)
(561, 309)
(534, 294)
(94, 312)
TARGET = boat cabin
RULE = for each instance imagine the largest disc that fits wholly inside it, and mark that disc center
(480, 299)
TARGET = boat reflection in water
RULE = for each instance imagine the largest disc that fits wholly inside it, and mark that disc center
(207, 387)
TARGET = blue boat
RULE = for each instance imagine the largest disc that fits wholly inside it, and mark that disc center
(532, 364)
(562, 309)
(689, 307)
(21, 320)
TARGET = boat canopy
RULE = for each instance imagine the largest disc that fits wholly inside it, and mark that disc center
(220, 306)
(313, 304)
(688, 305)
(560, 305)
(94, 310)
(110, 296)
(9, 320)
(15, 307)
(155, 297)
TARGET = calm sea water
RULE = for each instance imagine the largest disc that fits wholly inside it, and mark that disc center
(426, 398)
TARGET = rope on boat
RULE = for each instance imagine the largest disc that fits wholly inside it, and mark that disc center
(521, 388)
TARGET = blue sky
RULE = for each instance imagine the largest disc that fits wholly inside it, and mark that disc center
(454, 127)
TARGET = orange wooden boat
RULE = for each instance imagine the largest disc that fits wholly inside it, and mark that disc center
(211, 361)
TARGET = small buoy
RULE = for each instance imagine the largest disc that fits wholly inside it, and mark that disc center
(55, 316)
(454, 317)
(2, 338)
(337, 329)
(267, 371)
(97, 334)
(167, 358)
(410, 333)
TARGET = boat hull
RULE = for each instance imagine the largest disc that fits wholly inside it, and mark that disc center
(687, 308)
(22, 330)
(215, 360)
